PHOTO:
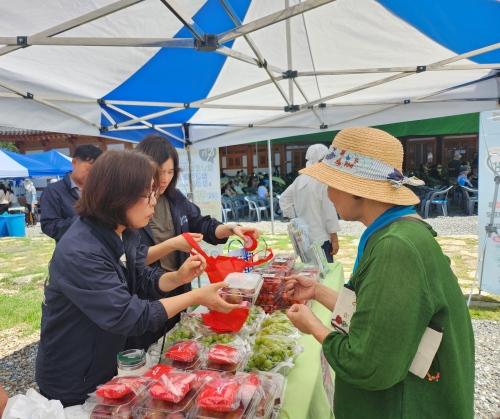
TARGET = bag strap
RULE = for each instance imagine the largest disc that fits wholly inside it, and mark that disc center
(261, 261)
(194, 245)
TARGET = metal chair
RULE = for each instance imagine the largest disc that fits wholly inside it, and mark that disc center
(240, 207)
(470, 197)
(439, 198)
(254, 207)
(226, 208)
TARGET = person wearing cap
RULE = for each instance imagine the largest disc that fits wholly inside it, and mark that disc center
(307, 199)
(402, 284)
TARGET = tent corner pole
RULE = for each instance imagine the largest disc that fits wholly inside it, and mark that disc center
(271, 197)
(188, 150)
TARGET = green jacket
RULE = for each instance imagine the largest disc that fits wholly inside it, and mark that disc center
(403, 283)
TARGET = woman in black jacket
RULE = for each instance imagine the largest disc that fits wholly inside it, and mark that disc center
(99, 289)
(175, 214)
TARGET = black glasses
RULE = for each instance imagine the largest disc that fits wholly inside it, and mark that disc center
(150, 196)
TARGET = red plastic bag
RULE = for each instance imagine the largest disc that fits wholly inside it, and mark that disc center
(183, 351)
(218, 267)
(224, 354)
(226, 322)
(172, 387)
(220, 395)
(119, 387)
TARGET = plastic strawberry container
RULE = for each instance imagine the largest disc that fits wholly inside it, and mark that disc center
(227, 358)
(172, 397)
(242, 287)
(118, 397)
(184, 355)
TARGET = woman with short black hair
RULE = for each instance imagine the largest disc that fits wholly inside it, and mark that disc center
(99, 289)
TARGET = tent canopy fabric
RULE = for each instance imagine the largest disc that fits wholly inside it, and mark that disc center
(10, 168)
(222, 72)
(54, 159)
(51, 163)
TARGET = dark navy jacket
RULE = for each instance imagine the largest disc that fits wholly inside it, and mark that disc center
(92, 303)
(186, 217)
(57, 208)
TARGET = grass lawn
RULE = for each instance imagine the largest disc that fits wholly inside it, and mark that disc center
(23, 269)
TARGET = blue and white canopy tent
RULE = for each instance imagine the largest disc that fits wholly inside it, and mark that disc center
(221, 72)
(50, 163)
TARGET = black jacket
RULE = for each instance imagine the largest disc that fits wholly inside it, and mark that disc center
(93, 301)
(57, 208)
(186, 217)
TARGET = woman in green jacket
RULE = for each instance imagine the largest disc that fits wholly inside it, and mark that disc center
(402, 287)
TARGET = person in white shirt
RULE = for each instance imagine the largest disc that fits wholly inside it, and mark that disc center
(31, 201)
(307, 199)
(4, 198)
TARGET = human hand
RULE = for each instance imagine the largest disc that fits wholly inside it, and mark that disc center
(335, 243)
(304, 319)
(240, 232)
(209, 297)
(191, 268)
(299, 288)
(181, 244)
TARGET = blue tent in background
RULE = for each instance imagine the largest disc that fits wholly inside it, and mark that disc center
(58, 162)
(51, 163)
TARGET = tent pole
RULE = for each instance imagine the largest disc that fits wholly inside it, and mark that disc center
(260, 58)
(73, 23)
(288, 36)
(271, 197)
(271, 19)
(185, 126)
(148, 124)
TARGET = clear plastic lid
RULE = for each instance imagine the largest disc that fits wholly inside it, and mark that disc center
(227, 398)
(272, 385)
(244, 281)
(118, 397)
(184, 355)
(242, 288)
(227, 358)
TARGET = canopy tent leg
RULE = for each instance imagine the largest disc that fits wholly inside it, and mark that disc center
(271, 197)
(188, 151)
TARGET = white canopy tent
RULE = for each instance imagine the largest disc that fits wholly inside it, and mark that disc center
(234, 71)
(216, 73)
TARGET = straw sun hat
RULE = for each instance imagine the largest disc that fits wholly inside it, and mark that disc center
(366, 162)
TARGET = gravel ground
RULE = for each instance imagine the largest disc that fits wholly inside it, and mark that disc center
(444, 226)
(17, 363)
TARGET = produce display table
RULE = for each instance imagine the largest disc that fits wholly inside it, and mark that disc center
(305, 396)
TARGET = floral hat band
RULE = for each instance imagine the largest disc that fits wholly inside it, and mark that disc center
(359, 165)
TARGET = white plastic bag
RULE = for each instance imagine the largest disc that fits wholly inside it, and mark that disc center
(33, 406)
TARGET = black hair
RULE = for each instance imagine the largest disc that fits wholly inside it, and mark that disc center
(87, 152)
(116, 182)
(3, 188)
(159, 149)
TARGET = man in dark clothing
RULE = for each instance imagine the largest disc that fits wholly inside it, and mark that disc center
(58, 199)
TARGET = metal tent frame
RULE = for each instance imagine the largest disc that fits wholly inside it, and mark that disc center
(294, 98)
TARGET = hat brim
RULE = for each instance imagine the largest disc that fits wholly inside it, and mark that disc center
(376, 190)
